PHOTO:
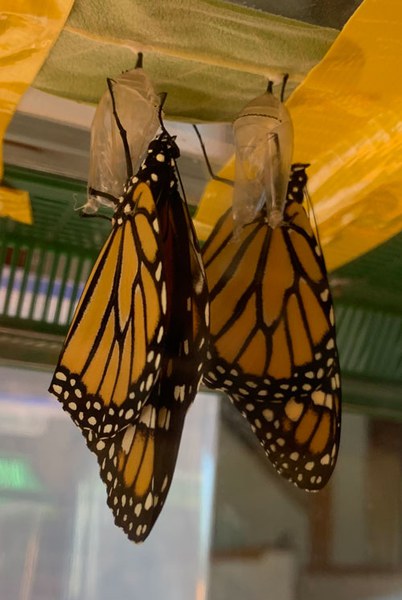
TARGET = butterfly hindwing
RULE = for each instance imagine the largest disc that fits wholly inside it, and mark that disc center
(272, 345)
(137, 464)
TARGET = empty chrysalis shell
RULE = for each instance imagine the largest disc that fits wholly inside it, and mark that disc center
(263, 134)
(137, 106)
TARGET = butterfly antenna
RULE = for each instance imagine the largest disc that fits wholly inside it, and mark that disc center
(313, 217)
(123, 132)
(163, 96)
(85, 215)
(138, 64)
(93, 192)
(204, 152)
(284, 82)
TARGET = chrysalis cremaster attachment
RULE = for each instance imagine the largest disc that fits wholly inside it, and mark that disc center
(264, 145)
(137, 106)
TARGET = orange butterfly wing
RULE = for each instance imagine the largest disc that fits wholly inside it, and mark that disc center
(272, 345)
(111, 356)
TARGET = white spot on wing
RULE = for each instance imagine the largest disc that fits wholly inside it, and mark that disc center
(149, 382)
(128, 439)
(129, 414)
(325, 459)
(164, 484)
(158, 272)
(163, 298)
(148, 417)
(149, 501)
(268, 414)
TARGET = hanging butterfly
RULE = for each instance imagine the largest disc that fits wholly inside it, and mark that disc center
(133, 358)
(272, 335)
(137, 464)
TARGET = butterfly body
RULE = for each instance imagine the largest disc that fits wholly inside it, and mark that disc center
(272, 346)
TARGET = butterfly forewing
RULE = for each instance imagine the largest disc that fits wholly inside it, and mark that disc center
(272, 346)
(109, 361)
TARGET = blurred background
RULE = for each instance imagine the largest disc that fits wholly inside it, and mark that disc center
(231, 527)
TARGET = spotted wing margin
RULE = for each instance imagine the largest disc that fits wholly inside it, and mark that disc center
(299, 433)
(137, 464)
(112, 352)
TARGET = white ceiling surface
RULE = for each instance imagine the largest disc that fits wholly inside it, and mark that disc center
(45, 106)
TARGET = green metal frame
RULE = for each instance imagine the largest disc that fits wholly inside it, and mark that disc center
(44, 266)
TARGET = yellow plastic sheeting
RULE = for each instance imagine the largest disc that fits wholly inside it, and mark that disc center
(347, 118)
(29, 28)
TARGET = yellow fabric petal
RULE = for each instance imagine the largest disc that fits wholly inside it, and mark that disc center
(28, 30)
(346, 118)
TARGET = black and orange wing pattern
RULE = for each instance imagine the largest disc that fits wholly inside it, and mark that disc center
(112, 353)
(137, 464)
(272, 340)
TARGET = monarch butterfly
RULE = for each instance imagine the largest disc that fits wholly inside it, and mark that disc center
(137, 464)
(133, 357)
(272, 339)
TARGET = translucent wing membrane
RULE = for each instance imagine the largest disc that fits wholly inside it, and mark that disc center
(112, 353)
(272, 345)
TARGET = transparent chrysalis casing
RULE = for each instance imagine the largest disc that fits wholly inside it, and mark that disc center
(137, 107)
(263, 134)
